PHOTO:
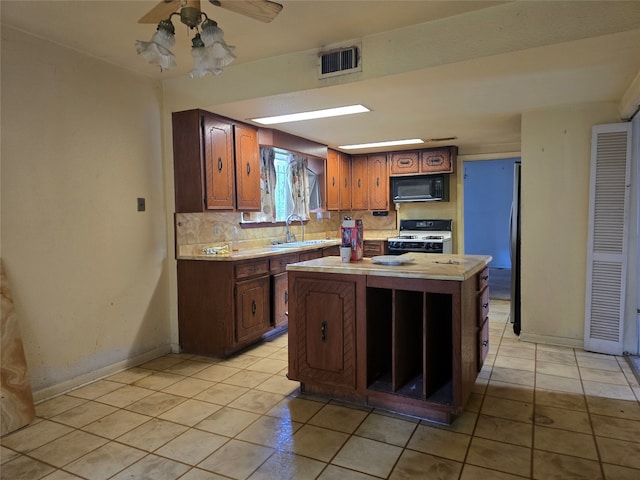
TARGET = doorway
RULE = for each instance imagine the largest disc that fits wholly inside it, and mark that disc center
(488, 194)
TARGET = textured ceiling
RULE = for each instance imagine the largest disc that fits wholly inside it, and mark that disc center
(430, 69)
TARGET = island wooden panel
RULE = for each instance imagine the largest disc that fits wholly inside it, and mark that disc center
(417, 343)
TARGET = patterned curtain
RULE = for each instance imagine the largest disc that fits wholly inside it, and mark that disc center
(298, 186)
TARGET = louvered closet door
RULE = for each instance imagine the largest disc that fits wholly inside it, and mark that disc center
(607, 244)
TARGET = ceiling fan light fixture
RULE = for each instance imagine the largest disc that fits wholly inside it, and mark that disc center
(157, 51)
(210, 52)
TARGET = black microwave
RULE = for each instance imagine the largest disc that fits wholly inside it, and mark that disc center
(420, 188)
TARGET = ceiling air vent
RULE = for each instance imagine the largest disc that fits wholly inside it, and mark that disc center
(340, 61)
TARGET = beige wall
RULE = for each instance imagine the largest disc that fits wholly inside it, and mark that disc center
(556, 155)
(80, 142)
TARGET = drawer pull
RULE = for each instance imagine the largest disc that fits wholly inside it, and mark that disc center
(253, 307)
(219, 164)
(485, 305)
(323, 331)
(484, 277)
(404, 162)
(485, 343)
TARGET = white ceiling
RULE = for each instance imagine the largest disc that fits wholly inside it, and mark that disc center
(430, 68)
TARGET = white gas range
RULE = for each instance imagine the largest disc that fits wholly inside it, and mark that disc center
(428, 236)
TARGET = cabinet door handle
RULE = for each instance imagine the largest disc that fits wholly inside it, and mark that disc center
(248, 168)
(219, 164)
(484, 277)
(345, 183)
(323, 331)
(358, 183)
(377, 181)
(286, 297)
(333, 181)
(253, 307)
(485, 343)
(485, 305)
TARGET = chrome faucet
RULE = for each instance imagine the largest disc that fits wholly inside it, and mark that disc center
(290, 236)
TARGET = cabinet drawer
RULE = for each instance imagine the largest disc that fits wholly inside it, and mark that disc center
(483, 279)
(279, 264)
(403, 163)
(483, 343)
(332, 251)
(483, 305)
(372, 248)
(250, 269)
(310, 255)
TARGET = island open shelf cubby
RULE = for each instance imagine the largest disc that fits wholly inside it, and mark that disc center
(407, 343)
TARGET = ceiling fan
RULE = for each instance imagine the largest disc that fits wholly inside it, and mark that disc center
(190, 12)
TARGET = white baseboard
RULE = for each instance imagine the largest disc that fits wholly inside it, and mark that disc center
(52, 391)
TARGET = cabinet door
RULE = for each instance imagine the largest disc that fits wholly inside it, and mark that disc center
(325, 331)
(247, 168)
(345, 182)
(280, 299)
(378, 174)
(437, 160)
(359, 183)
(403, 163)
(218, 163)
(333, 180)
(252, 309)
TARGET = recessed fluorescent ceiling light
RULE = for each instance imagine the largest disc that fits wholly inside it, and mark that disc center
(390, 143)
(296, 117)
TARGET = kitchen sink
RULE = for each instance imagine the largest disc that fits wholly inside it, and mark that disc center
(305, 243)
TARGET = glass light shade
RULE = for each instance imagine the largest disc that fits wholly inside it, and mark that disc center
(158, 50)
(214, 55)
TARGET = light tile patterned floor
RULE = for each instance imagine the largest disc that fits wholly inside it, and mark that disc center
(537, 411)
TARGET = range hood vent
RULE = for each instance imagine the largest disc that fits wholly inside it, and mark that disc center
(339, 61)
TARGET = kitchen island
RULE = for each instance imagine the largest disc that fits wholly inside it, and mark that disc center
(409, 337)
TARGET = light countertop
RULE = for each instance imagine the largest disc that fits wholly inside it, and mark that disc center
(429, 266)
(248, 250)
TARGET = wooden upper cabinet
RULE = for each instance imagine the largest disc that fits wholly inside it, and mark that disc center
(218, 163)
(338, 181)
(405, 163)
(438, 160)
(345, 182)
(424, 162)
(332, 179)
(378, 181)
(359, 183)
(188, 175)
(247, 168)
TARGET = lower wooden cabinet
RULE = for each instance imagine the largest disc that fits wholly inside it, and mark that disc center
(252, 309)
(324, 331)
(280, 289)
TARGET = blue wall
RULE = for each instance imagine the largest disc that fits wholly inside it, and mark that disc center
(488, 191)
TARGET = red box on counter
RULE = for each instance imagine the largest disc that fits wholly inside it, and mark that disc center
(353, 235)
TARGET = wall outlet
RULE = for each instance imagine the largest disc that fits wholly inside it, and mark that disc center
(141, 205)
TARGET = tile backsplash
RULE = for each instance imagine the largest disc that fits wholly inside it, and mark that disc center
(215, 227)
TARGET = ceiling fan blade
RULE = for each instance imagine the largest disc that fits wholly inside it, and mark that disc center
(262, 10)
(161, 11)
